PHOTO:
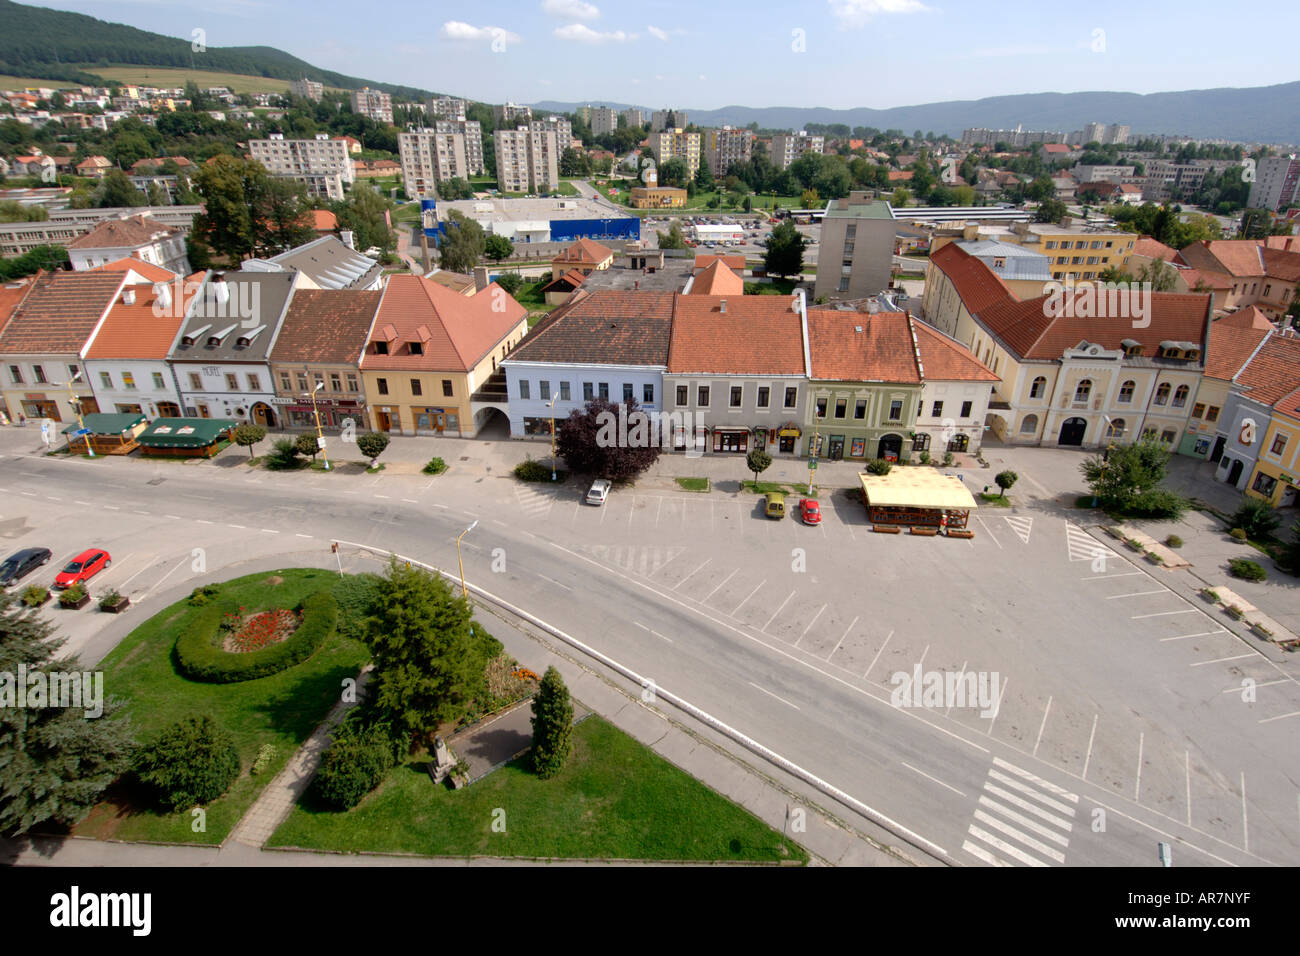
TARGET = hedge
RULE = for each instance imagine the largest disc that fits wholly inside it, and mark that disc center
(200, 657)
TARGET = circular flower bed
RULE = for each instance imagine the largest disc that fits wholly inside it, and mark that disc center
(261, 630)
(224, 647)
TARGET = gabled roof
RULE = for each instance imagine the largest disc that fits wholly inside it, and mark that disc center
(570, 280)
(263, 294)
(755, 335)
(734, 262)
(860, 347)
(59, 312)
(122, 234)
(12, 294)
(455, 281)
(134, 331)
(944, 359)
(717, 279)
(1274, 371)
(463, 329)
(1251, 317)
(326, 325)
(145, 270)
(329, 263)
(585, 251)
(1233, 339)
(975, 282)
(603, 328)
(1154, 249)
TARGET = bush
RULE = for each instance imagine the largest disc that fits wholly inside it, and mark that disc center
(34, 595)
(354, 765)
(925, 458)
(199, 654)
(1158, 503)
(372, 445)
(265, 754)
(947, 459)
(1239, 534)
(1246, 570)
(283, 456)
(111, 599)
(878, 466)
(246, 436)
(191, 763)
(532, 470)
(72, 595)
(1256, 517)
(1173, 541)
(355, 596)
(552, 725)
(306, 445)
(200, 595)
(436, 466)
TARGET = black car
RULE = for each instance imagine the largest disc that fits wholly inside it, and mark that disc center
(22, 563)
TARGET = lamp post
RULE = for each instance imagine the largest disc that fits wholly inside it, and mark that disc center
(815, 450)
(551, 406)
(320, 437)
(76, 407)
(463, 589)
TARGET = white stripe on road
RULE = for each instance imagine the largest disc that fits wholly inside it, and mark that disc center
(982, 854)
(877, 657)
(747, 597)
(1037, 811)
(1024, 821)
(691, 575)
(1005, 847)
(1221, 660)
(811, 623)
(930, 778)
(1039, 781)
(770, 694)
(268, 531)
(1183, 637)
(841, 640)
(778, 611)
(1030, 791)
(1015, 834)
(1116, 597)
(1138, 617)
(715, 590)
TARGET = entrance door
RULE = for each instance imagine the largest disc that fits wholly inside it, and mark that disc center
(890, 445)
(787, 444)
(837, 448)
(1072, 431)
(383, 421)
(959, 443)
(1218, 448)
(1234, 473)
(263, 415)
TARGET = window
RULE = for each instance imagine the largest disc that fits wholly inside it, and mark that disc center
(318, 381)
(603, 390)
(895, 410)
(681, 395)
(232, 382)
(286, 383)
(158, 380)
(1050, 244)
(417, 348)
(702, 396)
(16, 374)
(936, 410)
(416, 388)
(860, 409)
(1212, 413)
(1126, 392)
(336, 383)
(1116, 428)
(73, 372)
(1198, 410)
(1180, 396)
(1264, 484)
(1029, 425)
(764, 395)
(254, 383)
(627, 391)
(302, 381)
(40, 373)
(1083, 390)
(383, 386)
(965, 409)
(921, 442)
(841, 407)
(523, 388)
(821, 407)
(1279, 445)
(844, 284)
(1148, 433)
(1038, 387)
(128, 380)
(195, 382)
(588, 391)
(381, 348)
(648, 394)
(106, 379)
(353, 385)
(791, 397)
(737, 393)
(1162, 394)
(1168, 435)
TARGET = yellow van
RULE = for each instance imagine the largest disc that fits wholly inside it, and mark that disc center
(775, 505)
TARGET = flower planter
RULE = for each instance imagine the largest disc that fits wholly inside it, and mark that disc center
(1210, 596)
(1234, 613)
(1133, 545)
(41, 603)
(1155, 558)
(117, 608)
(1261, 631)
(76, 605)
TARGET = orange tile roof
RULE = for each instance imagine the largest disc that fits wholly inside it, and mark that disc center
(717, 279)
(146, 270)
(60, 312)
(944, 359)
(1251, 317)
(1214, 280)
(1231, 343)
(756, 335)
(611, 327)
(977, 284)
(1274, 372)
(12, 295)
(585, 252)
(1153, 249)
(322, 220)
(734, 262)
(326, 325)
(133, 331)
(461, 329)
(122, 233)
(859, 347)
(895, 175)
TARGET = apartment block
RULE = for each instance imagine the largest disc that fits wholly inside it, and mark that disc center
(558, 125)
(857, 248)
(661, 120)
(1276, 182)
(725, 146)
(603, 120)
(512, 113)
(429, 157)
(676, 143)
(446, 107)
(373, 105)
(322, 163)
(473, 135)
(634, 117)
(308, 89)
(527, 160)
(787, 147)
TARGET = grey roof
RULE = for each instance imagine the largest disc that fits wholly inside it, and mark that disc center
(1018, 262)
(671, 278)
(327, 261)
(246, 325)
(532, 210)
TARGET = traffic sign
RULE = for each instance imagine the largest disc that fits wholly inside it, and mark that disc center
(80, 431)
(812, 464)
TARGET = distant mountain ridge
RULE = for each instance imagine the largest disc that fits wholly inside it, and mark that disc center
(1269, 114)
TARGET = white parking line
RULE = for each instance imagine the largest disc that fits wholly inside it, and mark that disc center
(841, 640)
(662, 637)
(1104, 577)
(1245, 831)
(239, 526)
(1088, 759)
(203, 521)
(750, 595)
(932, 779)
(1221, 660)
(811, 623)
(770, 694)
(1183, 637)
(877, 657)
(1137, 785)
(1116, 597)
(989, 532)
(170, 517)
(301, 535)
(1138, 617)
(1046, 710)
(1187, 764)
(1002, 695)
(715, 590)
(52, 498)
(777, 611)
(1269, 683)
(555, 582)
(85, 503)
(1269, 720)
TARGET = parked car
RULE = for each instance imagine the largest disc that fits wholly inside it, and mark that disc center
(810, 511)
(83, 567)
(599, 491)
(775, 506)
(22, 563)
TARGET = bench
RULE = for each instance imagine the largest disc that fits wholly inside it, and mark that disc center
(886, 529)
(927, 532)
(961, 534)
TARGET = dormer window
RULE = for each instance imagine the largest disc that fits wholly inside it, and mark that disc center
(381, 348)
(191, 337)
(216, 338)
(245, 340)
(416, 348)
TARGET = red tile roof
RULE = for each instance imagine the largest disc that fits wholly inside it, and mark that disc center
(322, 220)
(146, 270)
(12, 295)
(703, 260)
(134, 331)
(584, 252)
(944, 359)
(1217, 281)
(977, 284)
(896, 175)
(756, 335)
(604, 327)
(717, 279)
(1154, 249)
(1274, 372)
(1250, 317)
(326, 325)
(859, 347)
(461, 329)
(1232, 341)
(122, 233)
(60, 312)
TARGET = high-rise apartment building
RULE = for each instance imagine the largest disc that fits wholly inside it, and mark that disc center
(432, 156)
(787, 147)
(308, 89)
(603, 120)
(373, 105)
(725, 146)
(1277, 183)
(558, 125)
(446, 107)
(661, 120)
(634, 116)
(677, 144)
(512, 113)
(527, 160)
(322, 163)
(473, 134)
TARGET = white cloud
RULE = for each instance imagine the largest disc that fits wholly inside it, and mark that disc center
(570, 9)
(703, 77)
(584, 34)
(857, 13)
(657, 33)
(456, 30)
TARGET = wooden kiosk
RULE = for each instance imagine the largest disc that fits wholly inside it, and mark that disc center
(926, 500)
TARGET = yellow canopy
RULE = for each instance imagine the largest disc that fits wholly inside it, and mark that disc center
(916, 487)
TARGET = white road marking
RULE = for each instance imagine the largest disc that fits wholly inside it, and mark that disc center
(1002, 695)
(715, 590)
(1036, 780)
(808, 627)
(934, 779)
(692, 574)
(841, 640)
(1005, 847)
(1187, 763)
(1269, 720)
(1025, 822)
(239, 526)
(299, 534)
(877, 657)
(770, 694)
(1269, 683)
(85, 503)
(1138, 617)
(171, 517)
(989, 531)
(1020, 525)
(555, 582)
(1137, 785)
(203, 521)
(412, 501)
(52, 498)
(383, 496)
(960, 674)
(1104, 577)
(1116, 597)
(1015, 834)
(668, 639)
(982, 854)
(1046, 710)
(747, 597)
(1221, 660)
(1183, 637)
(106, 507)
(1091, 737)
(1035, 809)
(268, 531)
(1245, 828)
(777, 611)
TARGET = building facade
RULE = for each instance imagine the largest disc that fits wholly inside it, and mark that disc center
(307, 89)
(676, 143)
(787, 147)
(373, 105)
(1277, 179)
(725, 146)
(527, 160)
(322, 163)
(857, 248)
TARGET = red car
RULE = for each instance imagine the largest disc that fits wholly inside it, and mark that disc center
(810, 512)
(83, 567)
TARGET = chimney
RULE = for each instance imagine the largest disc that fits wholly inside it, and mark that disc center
(128, 296)
(163, 295)
(480, 278)
(346, 236)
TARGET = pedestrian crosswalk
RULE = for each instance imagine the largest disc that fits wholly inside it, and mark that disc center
(1020, 525)
(1021, 819)
(535, 504)
(645, 561)
(1084, 547)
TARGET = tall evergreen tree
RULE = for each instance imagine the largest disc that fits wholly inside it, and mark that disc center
(552, 725)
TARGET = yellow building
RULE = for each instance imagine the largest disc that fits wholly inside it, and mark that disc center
(657, 197)
(677, 144)
(1275, 478)
(1073, 250)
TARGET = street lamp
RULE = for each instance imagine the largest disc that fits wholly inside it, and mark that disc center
(551, 405)
(76, 407)
(320, 438)
(463, 589)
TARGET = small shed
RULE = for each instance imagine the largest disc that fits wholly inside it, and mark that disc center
(185, 437)
(558, 290)
(919, 496)
(111, 433)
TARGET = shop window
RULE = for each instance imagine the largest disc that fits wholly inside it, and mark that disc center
(921, 442)
(1264, 484)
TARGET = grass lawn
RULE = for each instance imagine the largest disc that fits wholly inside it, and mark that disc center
(693, 484)
(170, 77)
(282, 709)
(996, 501)
(615, 799)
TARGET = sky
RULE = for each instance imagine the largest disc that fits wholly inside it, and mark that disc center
(706, 54)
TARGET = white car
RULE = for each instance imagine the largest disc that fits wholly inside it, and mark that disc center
(599, 491)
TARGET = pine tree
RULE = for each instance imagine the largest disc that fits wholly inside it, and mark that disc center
(55, 762)
(552, 725)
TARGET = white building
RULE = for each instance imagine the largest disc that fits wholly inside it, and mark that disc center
(138, 237)
(527, 160)
(787, 147)
(1277, 181)
(446, 107)
(322, 163)
(125, 359)
(432, 156)
(373, 104)
(308, 89)
(512, 113)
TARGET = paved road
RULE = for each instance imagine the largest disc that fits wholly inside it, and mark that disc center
(1120, 723)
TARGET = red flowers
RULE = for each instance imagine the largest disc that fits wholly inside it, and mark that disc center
(263, 630)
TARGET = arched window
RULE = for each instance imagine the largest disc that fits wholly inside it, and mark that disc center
(1038, 387)
(1126, 392)
(1180, 396)
(1083, 390)
(1162, 394)
(1115, 429)
(1029, 425)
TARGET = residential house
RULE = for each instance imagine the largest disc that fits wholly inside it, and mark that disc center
(50, 321)
(585, 256)
(1233, 340)
(1269, 377)
(610, 345)
(431, 351)
(138, 237)
(318, 353)
(715, 279)
(1265, 272)
(94, 167)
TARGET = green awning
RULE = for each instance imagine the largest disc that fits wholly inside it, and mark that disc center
(108, 423)
(185, 432)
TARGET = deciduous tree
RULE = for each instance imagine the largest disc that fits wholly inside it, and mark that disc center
(608, 440)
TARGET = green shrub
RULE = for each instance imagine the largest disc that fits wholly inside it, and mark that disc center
(34, 595)
(436, 466)
(532, 470)
(111, 599)
(1256, 517)
(283, 455)
(1173, 541)
(199, 655)
(1246, 570)
(193, 762)
(72, 595)
(1158, 503)
(265, 754)
(199, 596)
(354, 765)
(925, 458)
(878, 466)
(1239, 534)
(355, 596)
(947, 459)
